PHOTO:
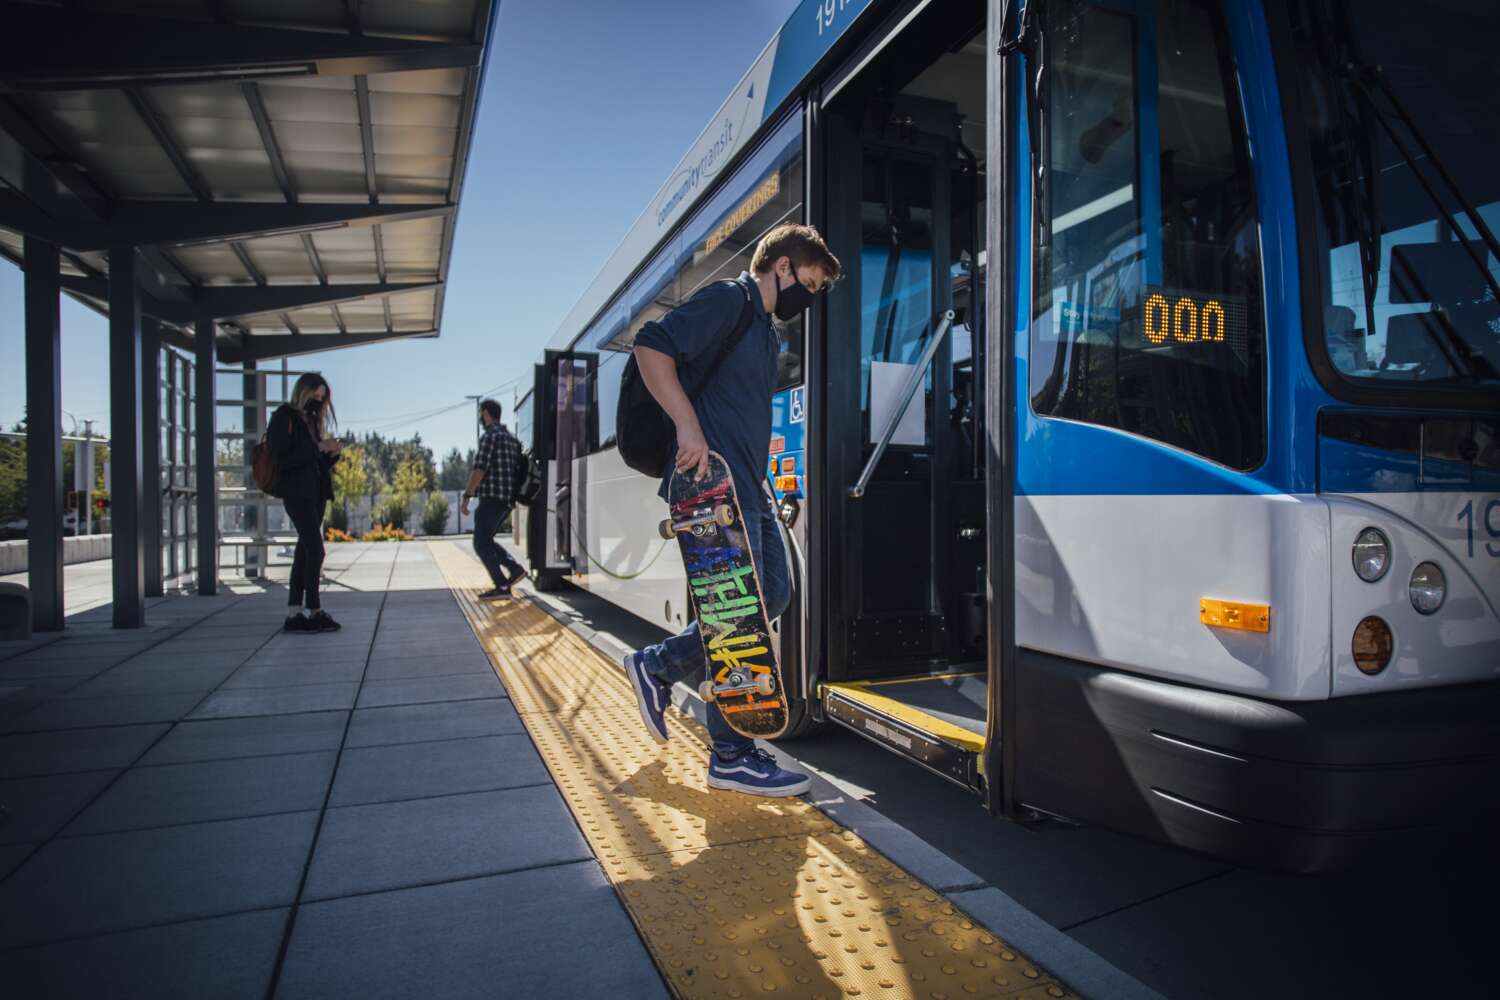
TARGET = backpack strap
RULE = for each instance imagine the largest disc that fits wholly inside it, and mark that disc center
(741, 327)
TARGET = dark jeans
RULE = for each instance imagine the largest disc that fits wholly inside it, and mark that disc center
(487, 520)
(307, 560)
(681, 657)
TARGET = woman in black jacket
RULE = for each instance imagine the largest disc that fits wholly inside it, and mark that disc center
(305, 456)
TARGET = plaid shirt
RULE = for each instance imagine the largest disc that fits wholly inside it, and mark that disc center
(499, 454)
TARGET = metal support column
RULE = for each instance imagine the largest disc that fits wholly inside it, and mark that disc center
(151, 507)
(125, 499)
(44, 452)
(204, 455)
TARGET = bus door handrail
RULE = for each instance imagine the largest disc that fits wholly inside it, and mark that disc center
(912, 385)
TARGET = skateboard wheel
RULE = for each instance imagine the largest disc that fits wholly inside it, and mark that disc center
(665, 529)
(724, 515)
(706, 691)
(765, 684)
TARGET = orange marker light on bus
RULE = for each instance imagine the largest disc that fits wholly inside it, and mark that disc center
(1234, 615)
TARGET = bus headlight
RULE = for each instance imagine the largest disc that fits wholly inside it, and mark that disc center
(1372, 645)
(1428, 588)
(1372, 555)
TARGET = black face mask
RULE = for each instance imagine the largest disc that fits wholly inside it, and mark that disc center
(791, 300)
(312, 407)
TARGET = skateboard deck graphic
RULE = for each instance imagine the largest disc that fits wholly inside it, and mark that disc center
(744, 673)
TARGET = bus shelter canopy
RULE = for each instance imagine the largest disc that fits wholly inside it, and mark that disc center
(290, 171)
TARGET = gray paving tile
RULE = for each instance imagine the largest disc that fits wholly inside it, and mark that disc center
(416, 690)
(117, 710)
(78, 886)
(221, 957)
(437, 721)
(256, 736)
(186, 661)
(74, 750)
(86, 666)
(413, 644)
(399, 844)
(472, 938)
(428, 666)
(277, 701)
(123, 680)
(38, 807)
(210, 790)
(11, 855)
(254, 675)
(414, 770)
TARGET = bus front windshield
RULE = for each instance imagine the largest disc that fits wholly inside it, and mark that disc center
(1397, 99)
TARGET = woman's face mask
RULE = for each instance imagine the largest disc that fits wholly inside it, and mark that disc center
(313, 406)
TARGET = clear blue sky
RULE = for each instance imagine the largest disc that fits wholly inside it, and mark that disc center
(586, 108)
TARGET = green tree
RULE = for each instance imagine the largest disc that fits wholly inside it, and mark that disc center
(410, 479)
(351, 478)
(456, 466)
(435, 514)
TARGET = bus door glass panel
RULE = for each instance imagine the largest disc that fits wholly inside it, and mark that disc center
(1146, 298)
(573, 444)
(897, 621)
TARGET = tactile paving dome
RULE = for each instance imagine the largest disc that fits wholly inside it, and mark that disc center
(735, 896)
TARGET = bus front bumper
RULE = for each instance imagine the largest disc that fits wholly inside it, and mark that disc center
(1300, 786)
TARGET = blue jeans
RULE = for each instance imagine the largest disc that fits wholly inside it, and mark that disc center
(487, 519)
(681, 657)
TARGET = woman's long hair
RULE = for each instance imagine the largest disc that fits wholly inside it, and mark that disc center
(307, 384)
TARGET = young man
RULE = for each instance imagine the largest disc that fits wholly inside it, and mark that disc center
(493, 481)
(732, 416)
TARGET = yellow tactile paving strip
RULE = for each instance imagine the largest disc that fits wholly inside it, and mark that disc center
(735, 896)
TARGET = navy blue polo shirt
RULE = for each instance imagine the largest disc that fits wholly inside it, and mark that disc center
(734, 409)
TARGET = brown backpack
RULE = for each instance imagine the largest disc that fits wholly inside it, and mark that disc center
(263, 464)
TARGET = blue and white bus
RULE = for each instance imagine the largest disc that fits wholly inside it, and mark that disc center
(1145, 468)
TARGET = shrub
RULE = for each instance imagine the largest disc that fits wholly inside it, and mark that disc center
(396, 512)
(338, 518)
(386, 533)
(338, 535)
(435, 515)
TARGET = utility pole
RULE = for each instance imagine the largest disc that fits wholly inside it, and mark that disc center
(83, 475)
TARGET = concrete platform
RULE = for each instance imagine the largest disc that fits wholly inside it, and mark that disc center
(210, 807)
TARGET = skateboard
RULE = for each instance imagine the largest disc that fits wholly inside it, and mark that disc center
(744, 673)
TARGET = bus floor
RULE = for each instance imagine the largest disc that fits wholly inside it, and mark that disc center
(734, 895)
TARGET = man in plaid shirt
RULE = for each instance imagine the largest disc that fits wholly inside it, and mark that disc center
(493, 481)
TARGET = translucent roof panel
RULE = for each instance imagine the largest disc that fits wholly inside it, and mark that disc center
(102, 129)
(282, 260)
(213, 264)
(348, 254)
(216, 133)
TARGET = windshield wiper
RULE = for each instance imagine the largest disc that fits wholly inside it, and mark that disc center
(1457, 348)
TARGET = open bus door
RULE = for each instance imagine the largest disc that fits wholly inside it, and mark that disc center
(570, 423)
(903, 424)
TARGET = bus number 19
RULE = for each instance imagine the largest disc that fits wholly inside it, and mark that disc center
(1490, 522)
(827, 12)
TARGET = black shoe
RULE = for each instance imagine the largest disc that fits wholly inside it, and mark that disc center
(518, 575)
(322, 621)
(299, 623)
(495, 594)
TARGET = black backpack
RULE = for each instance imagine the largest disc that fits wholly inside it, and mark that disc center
(528, 478)
(643, 431)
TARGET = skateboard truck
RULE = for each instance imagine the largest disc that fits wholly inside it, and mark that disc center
(722, 515)
(738, 682)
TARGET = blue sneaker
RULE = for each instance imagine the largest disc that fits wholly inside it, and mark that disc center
(755, 773)
(651, 695)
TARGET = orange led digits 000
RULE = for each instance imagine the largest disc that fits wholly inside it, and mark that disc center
(1191, 318)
